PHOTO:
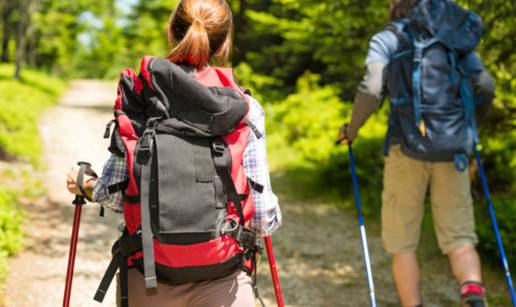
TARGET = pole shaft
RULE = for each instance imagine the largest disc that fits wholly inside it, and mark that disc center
(494, 222)
(71, 255)
(363, 236)
(274, 272)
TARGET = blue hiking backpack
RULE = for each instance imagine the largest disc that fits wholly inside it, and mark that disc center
(429, 82)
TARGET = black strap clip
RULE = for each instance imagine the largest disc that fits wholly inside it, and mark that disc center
(146, 143)
(219, 147)
(107, 132)
(256, 186)
(253, 128)
(118, 187)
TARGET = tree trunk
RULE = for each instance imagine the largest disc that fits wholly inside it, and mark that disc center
(26, 10)
(6, 35)
(30, 33)
(241, 28)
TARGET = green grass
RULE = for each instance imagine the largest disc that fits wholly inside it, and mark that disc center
(11, 216)
(21, 104)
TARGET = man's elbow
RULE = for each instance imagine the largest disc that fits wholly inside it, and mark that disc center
(486, 86)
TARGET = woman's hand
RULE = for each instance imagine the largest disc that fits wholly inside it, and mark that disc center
(73, 187)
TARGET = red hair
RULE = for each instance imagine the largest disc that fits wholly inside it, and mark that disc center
(201, 31)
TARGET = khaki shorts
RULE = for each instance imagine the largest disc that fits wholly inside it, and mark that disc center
(405, 186)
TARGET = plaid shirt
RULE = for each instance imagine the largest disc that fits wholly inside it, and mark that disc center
(267, 216)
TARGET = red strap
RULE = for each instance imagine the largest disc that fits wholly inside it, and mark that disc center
(144, 70)
(472, 289)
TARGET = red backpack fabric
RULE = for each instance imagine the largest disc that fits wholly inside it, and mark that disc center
(187, 203)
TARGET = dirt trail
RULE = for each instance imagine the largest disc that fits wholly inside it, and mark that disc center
(317, 249)
(71, 131)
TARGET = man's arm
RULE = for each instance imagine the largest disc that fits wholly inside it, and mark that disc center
(484, 89)
(367, 99)
(369, 94)
(482, 82)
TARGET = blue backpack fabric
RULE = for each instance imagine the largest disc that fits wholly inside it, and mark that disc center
(428, 81)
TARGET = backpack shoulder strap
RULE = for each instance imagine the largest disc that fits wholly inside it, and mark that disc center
(398, 28)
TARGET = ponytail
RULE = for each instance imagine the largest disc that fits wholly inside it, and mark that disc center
(200, 31)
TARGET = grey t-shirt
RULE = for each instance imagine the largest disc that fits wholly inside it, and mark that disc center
(382, 47)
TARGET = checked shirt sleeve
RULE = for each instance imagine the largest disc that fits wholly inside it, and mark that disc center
(114, 171)
(267, 216)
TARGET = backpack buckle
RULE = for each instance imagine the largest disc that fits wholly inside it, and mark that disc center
(418, 54)
(246, 238)
(218, 147)
(145, 148)
(146, 142)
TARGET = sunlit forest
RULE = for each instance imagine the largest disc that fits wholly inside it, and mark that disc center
(302, 59)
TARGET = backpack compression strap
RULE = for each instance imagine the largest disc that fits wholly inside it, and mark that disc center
(145, 159)
(222, 161)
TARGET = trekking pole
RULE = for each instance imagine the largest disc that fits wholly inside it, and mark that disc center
(365, 248)
(274, 272)
(492, 214)
(79, 201)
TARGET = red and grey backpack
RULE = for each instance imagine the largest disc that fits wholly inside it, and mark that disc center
(187, 203)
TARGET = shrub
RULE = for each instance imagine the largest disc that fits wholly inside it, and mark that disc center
(309, 119)
(505, 209)
(21, 104)
(10, 229)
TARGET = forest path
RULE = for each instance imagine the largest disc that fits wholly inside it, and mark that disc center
(71, 132)
(317, 249)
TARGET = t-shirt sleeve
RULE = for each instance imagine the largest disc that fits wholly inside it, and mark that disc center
(381, 48)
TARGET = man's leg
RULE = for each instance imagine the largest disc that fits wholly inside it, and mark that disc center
(405, 185)
(408, 278)
(465, 264)
(454, 222)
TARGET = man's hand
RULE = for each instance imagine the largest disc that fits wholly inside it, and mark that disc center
(343, 138)
(73, 187)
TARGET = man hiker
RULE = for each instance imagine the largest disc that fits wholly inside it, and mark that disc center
(424, 61)
(189, 172)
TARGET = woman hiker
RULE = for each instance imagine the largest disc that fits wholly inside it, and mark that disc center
(410, 164)
(200, 32)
